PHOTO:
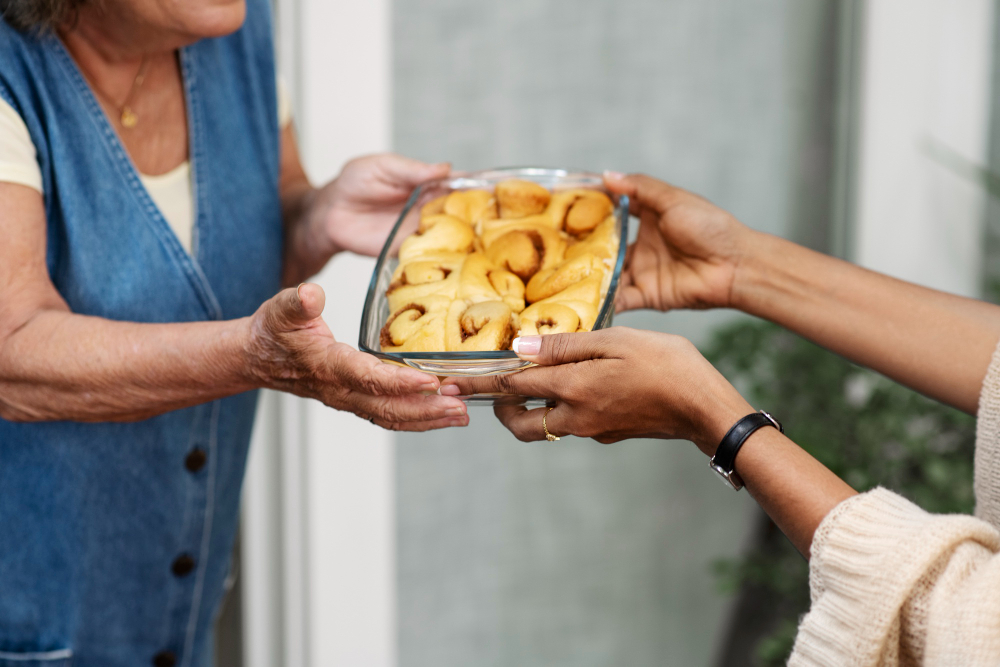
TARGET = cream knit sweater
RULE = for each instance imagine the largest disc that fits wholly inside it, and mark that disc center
(894, 585)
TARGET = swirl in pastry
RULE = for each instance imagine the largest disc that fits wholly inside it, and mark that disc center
(548, 318)
(525, 252)
(418, 326)
(479, 327)
(425, 276)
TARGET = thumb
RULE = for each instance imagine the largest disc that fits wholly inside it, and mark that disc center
(555, 349)
(293, 308)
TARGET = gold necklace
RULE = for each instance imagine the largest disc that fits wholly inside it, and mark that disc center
(127, 116)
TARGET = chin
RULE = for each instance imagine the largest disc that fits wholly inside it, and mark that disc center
(218, 18)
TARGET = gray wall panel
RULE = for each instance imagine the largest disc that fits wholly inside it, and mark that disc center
(573, 553)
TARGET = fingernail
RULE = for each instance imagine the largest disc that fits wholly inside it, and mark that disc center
(454, 412)
(458, 422)
(298, 291)
(429, 386)
(614, 175)
(450, 390)
(527, 345)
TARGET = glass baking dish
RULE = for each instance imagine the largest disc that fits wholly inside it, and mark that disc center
(376, 310)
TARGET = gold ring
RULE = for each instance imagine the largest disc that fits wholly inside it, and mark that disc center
(545, 427)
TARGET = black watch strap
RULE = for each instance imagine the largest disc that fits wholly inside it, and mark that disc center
(724, 460)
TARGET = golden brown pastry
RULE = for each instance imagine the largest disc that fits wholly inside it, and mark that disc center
(547, 282)
(481, 280)
(418, 326)
(583, 297)
(428, 221)
(433, 207)
(602, 242)
(425, 276)
(548, 318)
(447, 235)
(479, 258)
(494, 229)
(472, 206)
(479, 327)
(579, 211)
(519, 199)
(525, 252)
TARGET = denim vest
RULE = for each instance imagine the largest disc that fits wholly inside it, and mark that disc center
(115, 539)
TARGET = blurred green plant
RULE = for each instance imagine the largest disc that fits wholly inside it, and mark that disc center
(867, 429)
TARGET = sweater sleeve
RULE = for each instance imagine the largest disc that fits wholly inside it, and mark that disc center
(988, 445)
(894, 585)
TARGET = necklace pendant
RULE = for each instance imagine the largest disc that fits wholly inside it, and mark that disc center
(129, 118)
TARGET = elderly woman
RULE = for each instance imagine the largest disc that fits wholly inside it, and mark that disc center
(151, 206)
(891, 584)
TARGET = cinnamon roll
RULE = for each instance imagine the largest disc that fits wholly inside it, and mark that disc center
(601, 243)
(426, 276)
(548, 318)
(472, 206)
(547, 282)
(519, 199)
(479, 327)
(418, 326)
(525, 252)
(447, 235)
(481, 280)
(579, 211)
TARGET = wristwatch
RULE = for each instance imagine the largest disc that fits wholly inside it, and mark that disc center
(725, 455)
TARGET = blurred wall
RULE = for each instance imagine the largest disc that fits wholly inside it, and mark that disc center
(573, 553)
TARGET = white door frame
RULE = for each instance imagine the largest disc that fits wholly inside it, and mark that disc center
(319, 504)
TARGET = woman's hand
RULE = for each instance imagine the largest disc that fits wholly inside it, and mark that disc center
(292, 349)
(356, 210)
(687, 251)
(616, 384)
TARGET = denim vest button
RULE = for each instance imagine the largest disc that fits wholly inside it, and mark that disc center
(183, 565)
(195, 460)
(164, 659)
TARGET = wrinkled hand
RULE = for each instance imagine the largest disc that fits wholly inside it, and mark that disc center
(687, 250)
(292, 349)
(616, 384)
(356, 210)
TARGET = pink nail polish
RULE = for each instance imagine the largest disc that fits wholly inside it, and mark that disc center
(527, 345)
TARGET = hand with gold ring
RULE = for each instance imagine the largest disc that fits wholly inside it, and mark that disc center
(545, 426)
(614, 384)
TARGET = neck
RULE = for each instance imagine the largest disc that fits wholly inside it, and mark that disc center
(109, 46)
(108, 35)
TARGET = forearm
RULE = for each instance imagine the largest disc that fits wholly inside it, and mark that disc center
(304, 254)
(792, 487)
(63, 366)
(795, 490)
(936, 343)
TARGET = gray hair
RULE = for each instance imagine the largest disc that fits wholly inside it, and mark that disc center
(38, 14)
